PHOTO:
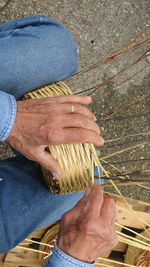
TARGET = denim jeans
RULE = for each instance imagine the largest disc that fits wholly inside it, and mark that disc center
(34, 51)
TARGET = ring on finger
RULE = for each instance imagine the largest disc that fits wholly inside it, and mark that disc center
(72, 109)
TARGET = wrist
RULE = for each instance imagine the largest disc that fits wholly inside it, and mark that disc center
(67, 260)
(77, 254)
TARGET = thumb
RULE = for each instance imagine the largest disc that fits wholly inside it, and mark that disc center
(45, 159)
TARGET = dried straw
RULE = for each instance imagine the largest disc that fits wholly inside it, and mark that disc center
(138, 244)
(48, 238)
(133, 253)
(76, 160)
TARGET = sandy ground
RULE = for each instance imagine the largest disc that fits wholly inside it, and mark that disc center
(100, 27)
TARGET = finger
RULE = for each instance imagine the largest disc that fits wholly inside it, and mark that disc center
(74, 136)
(84, 100)
(66, 109)
(91, 203)
(78, 109)
(114, 218)
(73, 99)
(107, 211)
(46, 105)
(48, 162)
(78, 121)
(95, 198)
(114, 213)
(46, 101)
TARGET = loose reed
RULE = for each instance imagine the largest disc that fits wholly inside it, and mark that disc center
(112, 261)
(51, 235)
(76, 160)
(138, 255)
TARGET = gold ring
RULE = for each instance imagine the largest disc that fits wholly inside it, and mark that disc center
(72, 109)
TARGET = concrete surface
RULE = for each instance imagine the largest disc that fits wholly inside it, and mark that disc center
(100, 27)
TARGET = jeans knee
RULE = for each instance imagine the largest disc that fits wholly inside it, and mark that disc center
(62, 44)
(38, 51)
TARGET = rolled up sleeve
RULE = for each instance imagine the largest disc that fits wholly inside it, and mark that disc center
(60, 259)
(7, 114)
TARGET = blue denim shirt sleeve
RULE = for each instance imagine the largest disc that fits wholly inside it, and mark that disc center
(7, 114)
(60, 259)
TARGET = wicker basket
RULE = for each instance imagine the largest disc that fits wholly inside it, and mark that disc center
(49, 238)
(136, 256)
(77, 161)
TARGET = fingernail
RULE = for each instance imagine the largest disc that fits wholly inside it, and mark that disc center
(88, 97)
(95, 119)
(106, 196)
(103, 141)
(56, 175)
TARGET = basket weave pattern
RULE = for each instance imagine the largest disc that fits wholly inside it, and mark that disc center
(76, 160)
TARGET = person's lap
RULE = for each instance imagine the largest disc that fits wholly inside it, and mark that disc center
(34, 51)
(25, 202)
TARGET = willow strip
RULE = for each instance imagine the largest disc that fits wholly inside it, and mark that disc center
(146, 187)
(117, 74)
(132, 231)
(126, 161)
(120, 118)
(111, 55)
(102, 264)
(133, 239)
(137, 101)
(126, 137)
(132, 172)
(124, 179)
(140, 185)
(39, 243)
(125, 183)
(130, 207)
(132, 49)
(123, 150)
(117, 262)
(120, 83)
(115, 168)
(133, 243)
(31, 249)
(143, 40)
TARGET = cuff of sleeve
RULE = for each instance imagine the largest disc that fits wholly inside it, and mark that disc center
(59, 258)
(8, 107)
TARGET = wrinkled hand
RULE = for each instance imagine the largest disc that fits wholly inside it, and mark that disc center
(50, 121)
(87, 231)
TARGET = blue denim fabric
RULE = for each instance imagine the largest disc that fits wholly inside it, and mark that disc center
(59, 258)
(34, 51)
(25, 203)
(7, 114)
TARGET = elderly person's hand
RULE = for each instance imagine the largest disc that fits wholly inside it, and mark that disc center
(88, 230)
(52, 121)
